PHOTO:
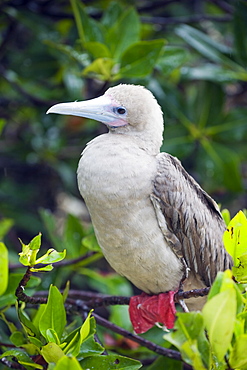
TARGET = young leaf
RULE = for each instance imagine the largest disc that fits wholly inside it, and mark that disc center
(51, 256)
(52, 352)
(4, 270)
(27, 255)
(68, 363)
(35, 243)
(100, 68)
(235, 237)
(54, 316)
(42, 269)
(80, 337)
(219, 315)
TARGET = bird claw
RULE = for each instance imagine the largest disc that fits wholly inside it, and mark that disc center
(146, 311)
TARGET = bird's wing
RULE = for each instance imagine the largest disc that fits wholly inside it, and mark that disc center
(189, 219)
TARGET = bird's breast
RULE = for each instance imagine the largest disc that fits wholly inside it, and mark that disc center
(116, 179)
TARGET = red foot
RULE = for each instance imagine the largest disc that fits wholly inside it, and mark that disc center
(145, 311)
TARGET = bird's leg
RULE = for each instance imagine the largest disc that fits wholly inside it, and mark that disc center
(181, 289)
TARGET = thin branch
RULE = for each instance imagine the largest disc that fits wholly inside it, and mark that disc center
(197, 18)
(21, 296)
(11, 365)
(136, 338)
(223, 5)
(117, 329)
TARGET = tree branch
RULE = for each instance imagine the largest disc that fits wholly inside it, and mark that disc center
(197, 18)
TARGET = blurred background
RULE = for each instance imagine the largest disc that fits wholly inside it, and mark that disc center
(191, 54)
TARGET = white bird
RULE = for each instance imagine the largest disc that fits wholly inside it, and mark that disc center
(151, 218)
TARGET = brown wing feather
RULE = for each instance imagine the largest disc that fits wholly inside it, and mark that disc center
(190, 220)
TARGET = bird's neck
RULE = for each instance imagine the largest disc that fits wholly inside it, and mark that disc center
(149, 142)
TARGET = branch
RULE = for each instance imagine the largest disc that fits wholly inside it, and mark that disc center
(80, 306)
(11, 365)
(165, 21)
(21, 296)
(223, 5)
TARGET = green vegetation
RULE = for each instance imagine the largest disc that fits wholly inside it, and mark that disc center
(192, 56)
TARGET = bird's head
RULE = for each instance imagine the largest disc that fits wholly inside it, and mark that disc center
(125, 109)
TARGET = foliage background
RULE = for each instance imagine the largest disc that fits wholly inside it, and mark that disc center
(196, 67)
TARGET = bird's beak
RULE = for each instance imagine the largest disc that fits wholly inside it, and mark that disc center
(100, 109)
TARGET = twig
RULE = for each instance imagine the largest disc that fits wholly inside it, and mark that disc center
(197, 18)
(223, 5)
(21, 296)
(11, 365)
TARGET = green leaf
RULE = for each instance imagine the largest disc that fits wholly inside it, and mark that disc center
(120, 35)
(51, 336)
(100, 68)
(22, 358)
(219, 315)
(35, 243)
(171, 58)
(189, 338)
(240, 271)
(73, 234)
(235, 237)
(68, 363)
(42, 269)
(88, 28)
(17, 338)
(54, 315)
(226, 216)
(52, 352)
(74, 344)
(110, 362)
(27, 255)
(5, 226)
(238, 357)
(206, 46)
(90, 348)
(214, 73)
(166, 363)
(51, 256)
(226, 162)
(4, 268)
(27, 324)
(2, 125)
(91, 243)
(140, 59)
(97, 49)
(112, 14)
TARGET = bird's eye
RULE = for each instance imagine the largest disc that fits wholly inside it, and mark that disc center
(120, 110)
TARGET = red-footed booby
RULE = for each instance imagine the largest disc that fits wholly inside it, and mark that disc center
(152, 220)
